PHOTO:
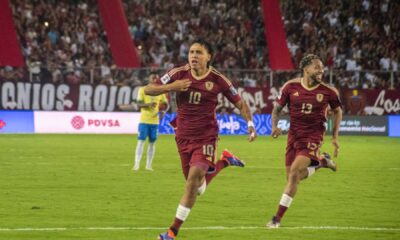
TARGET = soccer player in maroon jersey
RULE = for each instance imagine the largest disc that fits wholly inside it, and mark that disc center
(308, 99)
(197, 85)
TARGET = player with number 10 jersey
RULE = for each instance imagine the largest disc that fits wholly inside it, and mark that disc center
(197, 85)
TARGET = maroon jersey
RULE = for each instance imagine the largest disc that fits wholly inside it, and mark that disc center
(308, 108)
(196, 118)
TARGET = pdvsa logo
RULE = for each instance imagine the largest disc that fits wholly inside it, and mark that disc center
(103, 123)
(77, 122)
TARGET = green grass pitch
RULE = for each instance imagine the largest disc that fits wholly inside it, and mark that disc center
(82, 187)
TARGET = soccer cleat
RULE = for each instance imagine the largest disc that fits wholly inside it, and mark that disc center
(149, 169)
(327, 162)
(231, 159)
(274, 223)
(167, 236)
(135, 168)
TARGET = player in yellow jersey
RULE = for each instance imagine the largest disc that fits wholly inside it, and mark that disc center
(148, 125)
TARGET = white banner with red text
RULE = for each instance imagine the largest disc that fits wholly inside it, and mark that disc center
(85, 122)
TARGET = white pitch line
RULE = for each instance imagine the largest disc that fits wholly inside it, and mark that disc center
(349, 228)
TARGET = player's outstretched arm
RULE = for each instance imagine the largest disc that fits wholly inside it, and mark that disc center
(337, 118)
(246, 114)
(275, 117)
(157, 89)
(146, 105)
(128, 107)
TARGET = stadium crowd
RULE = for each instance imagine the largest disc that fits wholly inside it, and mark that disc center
(234, 27)
(64, 41)
(348, 35)
(61, 40)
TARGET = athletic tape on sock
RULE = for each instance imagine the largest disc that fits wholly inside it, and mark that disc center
(286, 200)
(182, 212)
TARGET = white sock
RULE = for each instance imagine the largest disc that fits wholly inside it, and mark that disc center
(151, 149)
(286, 200)
(182, 212)
(139, 152)
(201, 190)
(311, 171)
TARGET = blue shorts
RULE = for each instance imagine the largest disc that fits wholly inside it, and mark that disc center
(148, 130)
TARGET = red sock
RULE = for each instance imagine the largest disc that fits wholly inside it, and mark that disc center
(281, 211)
(218, 167)
(176, 226)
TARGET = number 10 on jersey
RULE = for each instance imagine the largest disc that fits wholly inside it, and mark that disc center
(194, 97)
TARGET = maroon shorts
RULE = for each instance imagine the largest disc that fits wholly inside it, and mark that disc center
(307, 147)
(199, 153)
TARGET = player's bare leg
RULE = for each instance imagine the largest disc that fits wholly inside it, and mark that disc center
(193, 183)
(296, 172)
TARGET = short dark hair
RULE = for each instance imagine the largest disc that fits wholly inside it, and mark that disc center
(306, 60)
(205, 44)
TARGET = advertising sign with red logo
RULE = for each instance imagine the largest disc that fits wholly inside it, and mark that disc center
(86, 122)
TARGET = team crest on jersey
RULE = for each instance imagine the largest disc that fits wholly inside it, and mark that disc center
(320, 97)
(209, 85)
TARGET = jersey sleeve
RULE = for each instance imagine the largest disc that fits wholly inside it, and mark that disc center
(140, 96)
(334, 100)
(283, 97)
(229, 91)
(169, 77)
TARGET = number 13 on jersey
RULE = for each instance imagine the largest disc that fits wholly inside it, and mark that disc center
(306, 108)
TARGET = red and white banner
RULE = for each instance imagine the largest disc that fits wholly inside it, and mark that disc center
(86, 122)
(102, 98)
(371, 101)
(260, 100)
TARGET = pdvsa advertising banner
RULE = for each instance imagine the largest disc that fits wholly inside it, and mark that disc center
(16, 122)
(86, 122)
(227, 123)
